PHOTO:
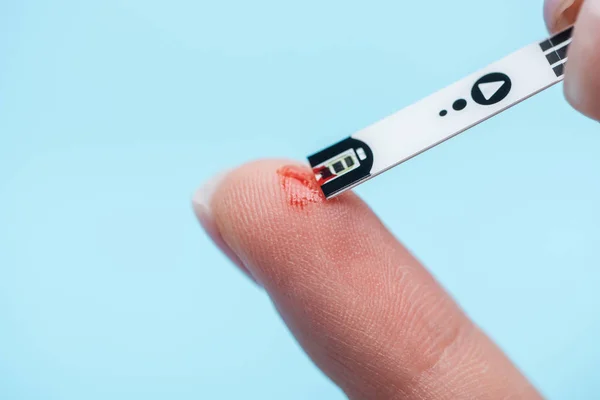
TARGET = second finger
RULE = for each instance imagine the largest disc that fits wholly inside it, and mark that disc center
(582, 79)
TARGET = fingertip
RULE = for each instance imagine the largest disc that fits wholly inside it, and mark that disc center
(582, 81)
(550, 10)
(268, 208)
(560, 14)
(202, 205)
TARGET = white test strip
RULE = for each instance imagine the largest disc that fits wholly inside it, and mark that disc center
(441, 116)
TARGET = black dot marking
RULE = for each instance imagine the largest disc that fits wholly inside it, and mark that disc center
(459, 104)
(443, 113)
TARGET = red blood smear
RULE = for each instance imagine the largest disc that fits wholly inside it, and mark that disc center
(300, 186)
(320, 171)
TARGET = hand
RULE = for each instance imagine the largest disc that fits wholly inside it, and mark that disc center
(582, 76)
(362, 307)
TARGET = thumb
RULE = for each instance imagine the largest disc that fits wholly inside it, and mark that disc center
(582, 77)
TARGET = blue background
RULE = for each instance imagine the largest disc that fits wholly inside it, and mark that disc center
(112, 112)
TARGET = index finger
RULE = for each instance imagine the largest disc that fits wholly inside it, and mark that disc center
(363, 308)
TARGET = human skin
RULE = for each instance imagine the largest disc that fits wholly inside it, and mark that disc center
(582, 74)
(363, 308)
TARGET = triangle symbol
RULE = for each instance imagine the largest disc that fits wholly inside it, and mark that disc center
(489, 89)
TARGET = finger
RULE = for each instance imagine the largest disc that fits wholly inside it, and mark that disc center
(207, 220)
(359, 303)
(560, 14)
(582, 77)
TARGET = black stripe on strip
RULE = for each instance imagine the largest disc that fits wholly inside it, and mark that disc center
(561, 37)
(553, 57)
(559, 70)
(546, 45)
(556, 40)
(562, 52)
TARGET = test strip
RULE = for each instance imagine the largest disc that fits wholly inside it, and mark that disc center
(435, 119)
